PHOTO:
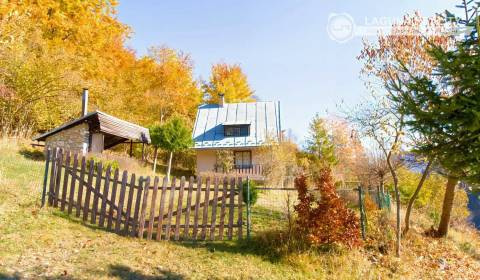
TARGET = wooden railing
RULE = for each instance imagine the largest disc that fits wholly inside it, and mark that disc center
(254, 169)
(185, 209)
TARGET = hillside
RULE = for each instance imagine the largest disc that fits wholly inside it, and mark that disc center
(44, 243)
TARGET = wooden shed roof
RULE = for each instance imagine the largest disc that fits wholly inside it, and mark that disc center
(106, 124)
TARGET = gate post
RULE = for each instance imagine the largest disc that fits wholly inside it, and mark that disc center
(45, 177)
(248, 208)
(362, 212)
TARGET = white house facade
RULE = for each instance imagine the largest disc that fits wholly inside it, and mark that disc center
(239, 127)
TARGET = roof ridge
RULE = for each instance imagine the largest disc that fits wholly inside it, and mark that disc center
(108, 115)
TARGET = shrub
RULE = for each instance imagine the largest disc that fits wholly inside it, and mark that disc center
(369, 203)
(32, 153)
(225, 161)
(113, 164)
(324, 218)
(253, 192)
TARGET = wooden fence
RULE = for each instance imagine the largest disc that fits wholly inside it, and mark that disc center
(193, 209)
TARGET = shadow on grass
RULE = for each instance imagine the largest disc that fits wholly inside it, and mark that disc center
(272, 246)
(79, 220)
(32, 154)
(125, 272)
(14, 276)
(18, 276)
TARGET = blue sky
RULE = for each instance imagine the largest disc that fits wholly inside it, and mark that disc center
(282, 46)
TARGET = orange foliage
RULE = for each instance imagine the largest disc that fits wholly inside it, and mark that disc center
(325, 220)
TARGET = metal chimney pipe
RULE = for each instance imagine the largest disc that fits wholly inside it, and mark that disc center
(85, 102)
(222, 99)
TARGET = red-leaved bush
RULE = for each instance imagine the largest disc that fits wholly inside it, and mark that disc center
(323, 216)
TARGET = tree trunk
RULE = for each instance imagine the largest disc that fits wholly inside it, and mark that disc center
(382, 188)
(169, 166)
(155, 155)
(397, 199)
(447, 206)
(414, 197)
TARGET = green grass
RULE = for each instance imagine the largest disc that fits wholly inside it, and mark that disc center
(45, 243)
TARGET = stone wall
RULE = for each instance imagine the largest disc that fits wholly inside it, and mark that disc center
(74, 139)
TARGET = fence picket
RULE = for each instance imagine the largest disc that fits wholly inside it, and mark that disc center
(239, 207)
(51, 187)
(170, 210)
(65, 182)
(113, 197)
(231, 209)
(138, 201)
(197, 207)
(214, 209)
(121, 199)
(179, 208)
(205, 209)
(161, 208)
(81, 183)
(88, 190)
(131, 189)
(151, 220)
(188, 210)
(222, 209)
(103, 208)
(72, 184)
(98, 183)
(45, 176)
(58, 174)
(139, 217)
(143, 212)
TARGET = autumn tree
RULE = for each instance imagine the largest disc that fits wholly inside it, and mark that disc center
(228, 80)
(348, 150)
(380, 123)
(278, 161)
(324, 218)
(173, 136)
(50, 50)
(404, 45)
(319, 143)
(444, 108)
(156, 135)
(173, 89)
(33, 78)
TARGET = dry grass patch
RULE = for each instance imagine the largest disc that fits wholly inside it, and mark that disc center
(46, 244)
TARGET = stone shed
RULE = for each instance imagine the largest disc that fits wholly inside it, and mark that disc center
(94, 133)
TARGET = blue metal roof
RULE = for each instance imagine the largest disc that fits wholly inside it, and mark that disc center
(263, 117)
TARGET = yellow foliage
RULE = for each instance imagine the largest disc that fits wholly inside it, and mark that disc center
(430, 198)
(230, 81)
(50, 50)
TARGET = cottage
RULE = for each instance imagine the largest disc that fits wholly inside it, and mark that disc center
(239, 127)
(94, 132)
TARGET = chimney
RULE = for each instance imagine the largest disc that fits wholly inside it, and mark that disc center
(85, 102)
(221, 102)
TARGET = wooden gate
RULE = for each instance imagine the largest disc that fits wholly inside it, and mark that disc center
(193, 209)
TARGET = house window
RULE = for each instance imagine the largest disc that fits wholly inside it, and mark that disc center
(236, 130)
(243, 159)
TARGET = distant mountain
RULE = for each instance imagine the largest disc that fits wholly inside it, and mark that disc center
(474, 207)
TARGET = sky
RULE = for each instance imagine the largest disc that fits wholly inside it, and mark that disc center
(283, 46)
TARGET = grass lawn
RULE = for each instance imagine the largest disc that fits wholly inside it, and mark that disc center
(44, 243)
